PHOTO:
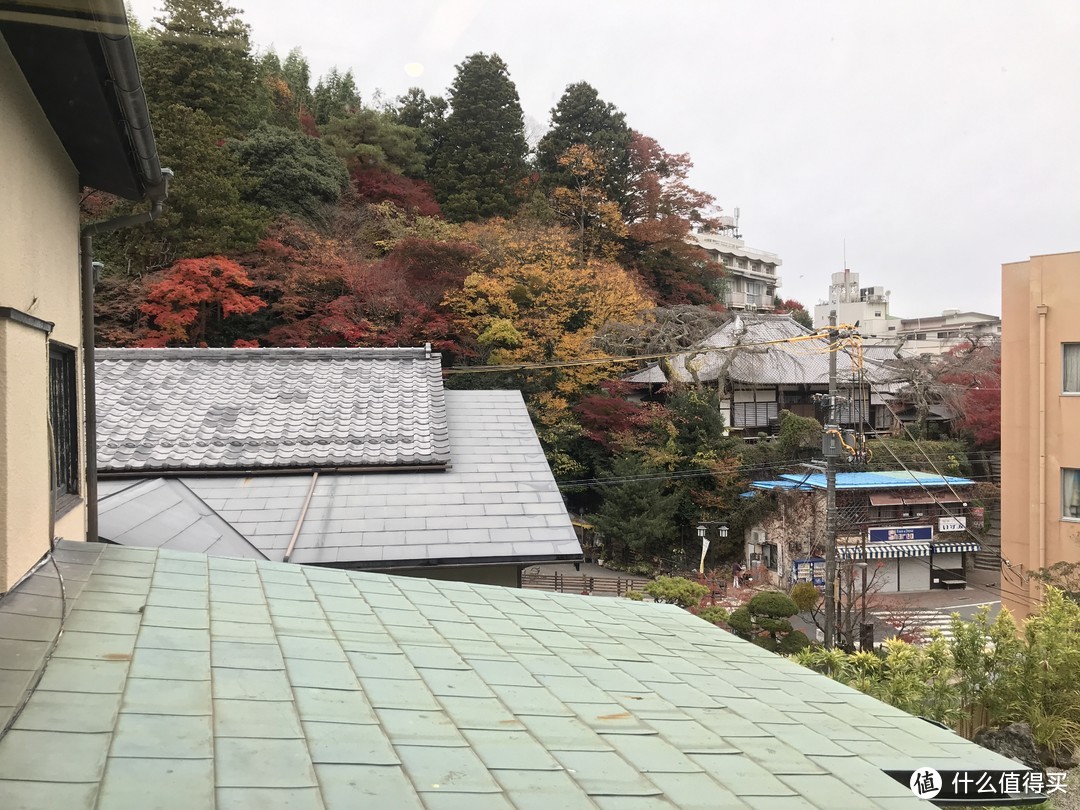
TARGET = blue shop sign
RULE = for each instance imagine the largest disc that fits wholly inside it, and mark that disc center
(901, 534)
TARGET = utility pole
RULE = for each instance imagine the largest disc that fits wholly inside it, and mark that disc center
(831, 447)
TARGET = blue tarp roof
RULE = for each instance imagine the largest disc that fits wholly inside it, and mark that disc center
(891, 479)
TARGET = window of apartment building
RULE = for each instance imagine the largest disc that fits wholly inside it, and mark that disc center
(1070, 493)
(64, 425)
(1070, 378)
(743, 263)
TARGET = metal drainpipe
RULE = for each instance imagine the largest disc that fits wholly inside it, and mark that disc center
(86, 261)
(1042, 310)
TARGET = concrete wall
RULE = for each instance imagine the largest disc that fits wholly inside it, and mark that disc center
(1034, 534)
(39, 275)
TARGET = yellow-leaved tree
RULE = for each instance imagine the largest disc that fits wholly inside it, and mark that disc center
(530, 299)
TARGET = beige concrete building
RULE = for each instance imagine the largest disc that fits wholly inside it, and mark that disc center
(1040, 421)
(65, 125)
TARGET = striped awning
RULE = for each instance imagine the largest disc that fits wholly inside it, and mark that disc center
(884, 551)
(953, 548)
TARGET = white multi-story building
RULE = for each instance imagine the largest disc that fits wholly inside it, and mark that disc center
(752, 279)
(940, 333)
(867, 306)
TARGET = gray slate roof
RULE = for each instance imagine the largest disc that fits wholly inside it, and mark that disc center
(803, 362)
(498, 503)
(198, 409)
(188, 681)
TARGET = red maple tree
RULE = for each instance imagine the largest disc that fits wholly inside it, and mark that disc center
(189, 302)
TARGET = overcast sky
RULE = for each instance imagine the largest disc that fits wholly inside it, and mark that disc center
(938, 139)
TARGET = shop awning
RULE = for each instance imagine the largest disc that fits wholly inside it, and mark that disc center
(953, 548)
(885, 551)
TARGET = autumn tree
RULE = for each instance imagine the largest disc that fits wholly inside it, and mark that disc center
(193, 297)
(377, 185)
(662, 204)
(582, 118)
(970, 383)
(480, 159)
(583, 203)
(795, 309)
(529, 300)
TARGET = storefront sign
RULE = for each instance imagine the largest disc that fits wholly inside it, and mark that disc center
(903, 534)
(978, 517)
(951, 524)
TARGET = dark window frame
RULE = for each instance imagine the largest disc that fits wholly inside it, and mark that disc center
(65, 470)
(770, 556)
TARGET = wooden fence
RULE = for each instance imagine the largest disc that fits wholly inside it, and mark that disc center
(579, 583)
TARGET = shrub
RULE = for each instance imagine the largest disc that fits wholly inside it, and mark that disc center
(805, 596)
(634, 596)
(714, 615)
(676, 591)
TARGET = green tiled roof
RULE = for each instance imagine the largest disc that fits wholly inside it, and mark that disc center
(195, 682)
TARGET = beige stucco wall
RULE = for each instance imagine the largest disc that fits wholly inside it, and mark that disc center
(39, 275)
(1028, 542)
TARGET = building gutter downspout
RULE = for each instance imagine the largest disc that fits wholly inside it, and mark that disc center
(1042, 310)
(86, 261)
(126, 82)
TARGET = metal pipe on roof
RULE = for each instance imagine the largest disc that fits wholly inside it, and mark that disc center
(303, 514)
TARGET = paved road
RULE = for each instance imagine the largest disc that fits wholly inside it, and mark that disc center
(939, 618)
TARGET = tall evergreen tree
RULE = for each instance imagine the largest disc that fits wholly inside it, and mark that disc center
(202, 60)
(335, 96)
(582, 117)
(481, 158)
(297, 75)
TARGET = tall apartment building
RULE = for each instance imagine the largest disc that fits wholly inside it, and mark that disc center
(868, 306)
(1040, 422)
(751, 273)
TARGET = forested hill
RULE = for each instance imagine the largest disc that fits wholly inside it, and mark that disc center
(333, 222)
(304, 215)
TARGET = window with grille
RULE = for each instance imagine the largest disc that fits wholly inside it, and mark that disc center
(64, 419)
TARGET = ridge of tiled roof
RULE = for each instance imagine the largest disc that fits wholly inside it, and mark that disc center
(182, 681)
(801, 362)
(250, 409)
